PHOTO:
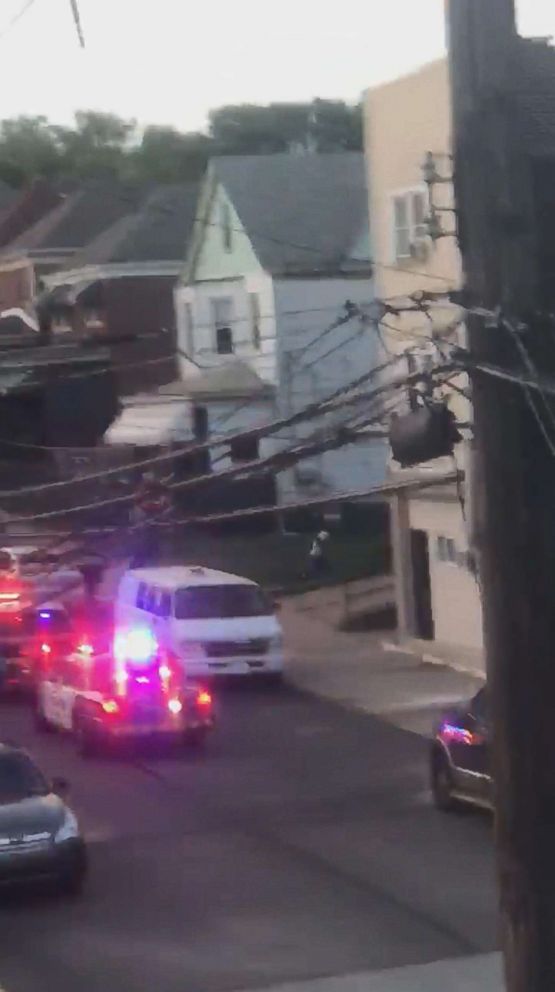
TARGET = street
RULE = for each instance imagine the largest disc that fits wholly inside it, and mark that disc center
(302, 844)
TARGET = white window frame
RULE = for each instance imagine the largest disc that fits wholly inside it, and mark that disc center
(255, 320)
(446, 550)
(416, 229)
(218, 323)
(189, 328)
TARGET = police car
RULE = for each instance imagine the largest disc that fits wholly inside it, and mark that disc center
(111, 688)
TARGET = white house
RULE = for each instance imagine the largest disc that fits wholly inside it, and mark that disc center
(280, 255)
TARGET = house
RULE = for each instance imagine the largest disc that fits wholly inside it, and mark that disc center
(276, 277)
(438, 597)
(119, 286)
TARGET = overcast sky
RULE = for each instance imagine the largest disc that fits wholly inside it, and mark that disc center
(170, 61)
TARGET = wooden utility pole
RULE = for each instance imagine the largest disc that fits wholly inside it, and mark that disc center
(515, 503)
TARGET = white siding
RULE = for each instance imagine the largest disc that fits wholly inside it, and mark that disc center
(199, 296)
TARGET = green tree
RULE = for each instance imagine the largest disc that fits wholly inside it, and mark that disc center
(97, 146)
(166, 155)
(28, 148)
(322, 126)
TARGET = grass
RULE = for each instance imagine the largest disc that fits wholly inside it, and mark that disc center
(279, 560)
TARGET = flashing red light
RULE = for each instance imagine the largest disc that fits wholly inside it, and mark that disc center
(142, 679)
(175, 706)
(165, 672)
(204, 698)
(86, 649)
(46, 649)
(110, 706)
(9, 597)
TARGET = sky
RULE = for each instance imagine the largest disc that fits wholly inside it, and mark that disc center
(171, 61)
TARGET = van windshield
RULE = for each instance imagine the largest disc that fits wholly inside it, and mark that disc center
(213, 602)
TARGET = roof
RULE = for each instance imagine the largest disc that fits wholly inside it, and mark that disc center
(535, 73)
(159, 230)
(81, 216)
(151, 423)
(188, 575)
(302, 213)
(231, 379)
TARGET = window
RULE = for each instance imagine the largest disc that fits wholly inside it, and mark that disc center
(227, 233)
(479, 706)
(254, 304)
(222, 318)
(151, 600)
(165, 604)
(447, 550)
(141, 595)
(244, 449)
(215, 602)
(20, 778)
(409, 222)
(224, 341)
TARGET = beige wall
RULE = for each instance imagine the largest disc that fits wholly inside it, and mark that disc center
(455, 595)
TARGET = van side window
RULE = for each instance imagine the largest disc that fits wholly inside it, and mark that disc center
(151, 600)
(141, 595)
(164, 603)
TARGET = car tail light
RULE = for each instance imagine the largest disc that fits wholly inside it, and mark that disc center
(204, 699)
(165, 672)
(175, 706)
(110, 706)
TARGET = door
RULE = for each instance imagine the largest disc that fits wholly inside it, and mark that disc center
(422, 585)
(470, 750)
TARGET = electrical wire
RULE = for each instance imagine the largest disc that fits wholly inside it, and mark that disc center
(16, 18)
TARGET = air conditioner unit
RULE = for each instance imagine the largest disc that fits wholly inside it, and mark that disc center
(420, 249)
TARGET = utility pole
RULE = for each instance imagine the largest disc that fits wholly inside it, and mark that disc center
(515, 503)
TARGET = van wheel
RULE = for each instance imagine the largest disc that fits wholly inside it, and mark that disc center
(84, 738)
(41, 723)
(195, 740)
(442, 783)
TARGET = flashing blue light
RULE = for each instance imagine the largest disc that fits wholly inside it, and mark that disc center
(45, 615)
(138, 646)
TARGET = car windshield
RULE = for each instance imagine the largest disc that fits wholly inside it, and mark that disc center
(213, 602)
(20, 778)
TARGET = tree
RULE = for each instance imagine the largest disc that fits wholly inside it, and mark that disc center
(168, 156)
(322, 126)
(97, 146)
(28, 148)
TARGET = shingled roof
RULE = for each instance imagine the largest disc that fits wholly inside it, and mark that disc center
(158, 231)
(302, 213)
(80, 217)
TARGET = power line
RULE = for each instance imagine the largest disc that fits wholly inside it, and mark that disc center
(256, 466)
(16, 18)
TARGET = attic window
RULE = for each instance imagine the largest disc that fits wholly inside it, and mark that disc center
(225, 221)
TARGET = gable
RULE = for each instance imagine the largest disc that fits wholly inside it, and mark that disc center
(218, 256)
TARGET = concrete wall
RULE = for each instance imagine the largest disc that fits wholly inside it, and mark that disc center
(455, 594)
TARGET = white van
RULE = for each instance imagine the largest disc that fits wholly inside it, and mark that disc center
(213, 622)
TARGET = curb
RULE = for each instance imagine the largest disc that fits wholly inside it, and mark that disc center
(431, 659)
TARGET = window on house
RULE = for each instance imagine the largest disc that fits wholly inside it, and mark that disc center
(409, 222)
(244, 449)
(225, 221)
(200, 422)
(222, 317)
(254, 303)
(447, 550)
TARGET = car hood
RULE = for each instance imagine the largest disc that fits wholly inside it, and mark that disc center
(37, 814)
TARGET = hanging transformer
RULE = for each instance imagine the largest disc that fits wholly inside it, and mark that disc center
(423, 434)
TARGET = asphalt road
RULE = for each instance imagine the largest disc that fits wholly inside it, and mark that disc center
(302, 844)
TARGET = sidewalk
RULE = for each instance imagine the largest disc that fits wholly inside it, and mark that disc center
(355, 670)
(473, 974)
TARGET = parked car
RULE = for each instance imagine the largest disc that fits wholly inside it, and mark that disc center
(30, 639)
(40, 839)
(459, 757)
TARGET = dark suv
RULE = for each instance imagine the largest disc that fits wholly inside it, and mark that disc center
(459, 759)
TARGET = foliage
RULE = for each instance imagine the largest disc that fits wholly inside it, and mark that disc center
(104, 145)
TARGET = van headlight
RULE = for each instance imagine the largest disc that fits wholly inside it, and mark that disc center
(68, 829)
